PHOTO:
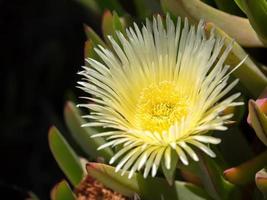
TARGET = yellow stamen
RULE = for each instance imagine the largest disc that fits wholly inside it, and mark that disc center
(160, 106)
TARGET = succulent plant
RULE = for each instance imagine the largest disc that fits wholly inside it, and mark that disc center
(159, 96)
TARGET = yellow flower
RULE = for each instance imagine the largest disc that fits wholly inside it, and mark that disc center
(159, 89)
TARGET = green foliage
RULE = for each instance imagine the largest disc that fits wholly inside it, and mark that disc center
(256, 12)
(258, 121)
(211, 177)
(245, 173)
(111, 23)
(150, 188)
(170, 173)
(66, 158)
(82, 135)
(62, 191)
(236, 27)
(229, 6)
(248, 70)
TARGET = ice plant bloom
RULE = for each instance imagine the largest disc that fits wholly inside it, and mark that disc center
(162, 88)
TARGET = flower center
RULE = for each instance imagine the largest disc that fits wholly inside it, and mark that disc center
(160, 106)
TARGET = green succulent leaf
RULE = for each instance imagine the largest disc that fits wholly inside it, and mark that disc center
(170, 173)
(211, 176)
(66, 158)
(107, 175)
(107, 25)
(111, 23)
(82, 135)
(89, 51)
(62, 191)
(237, 27)
(229, 6)
(245, 173)
(248, 73)
(92, 35)
(117, 25)
(241, 5)
(149, 188)
(258, 121)
(261, 181)
(257, 15)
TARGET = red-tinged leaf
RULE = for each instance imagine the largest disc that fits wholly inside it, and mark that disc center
(107, 25)
(245, 173)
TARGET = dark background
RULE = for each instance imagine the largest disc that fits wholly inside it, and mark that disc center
(41, 51)
(41, 46)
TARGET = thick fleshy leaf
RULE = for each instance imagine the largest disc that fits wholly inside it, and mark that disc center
(261, 181)
(245, 173)
(117, 25)
(211, 176)
(257, 15)
(229, 6)
(92, 35)
(89, 50)
(248, 73)
(170, 173)
(82, 135)
(66, 158)
(107, 175)
(241, 5)
(238, 28)
(258, 121)
(149, 188)
(111, 23)
(107, 25)
(62, 191)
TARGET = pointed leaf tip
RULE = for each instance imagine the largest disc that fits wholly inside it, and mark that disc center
(82, 135)
(245, 173)
(258, 121)
(66, 158)
(62, 191)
